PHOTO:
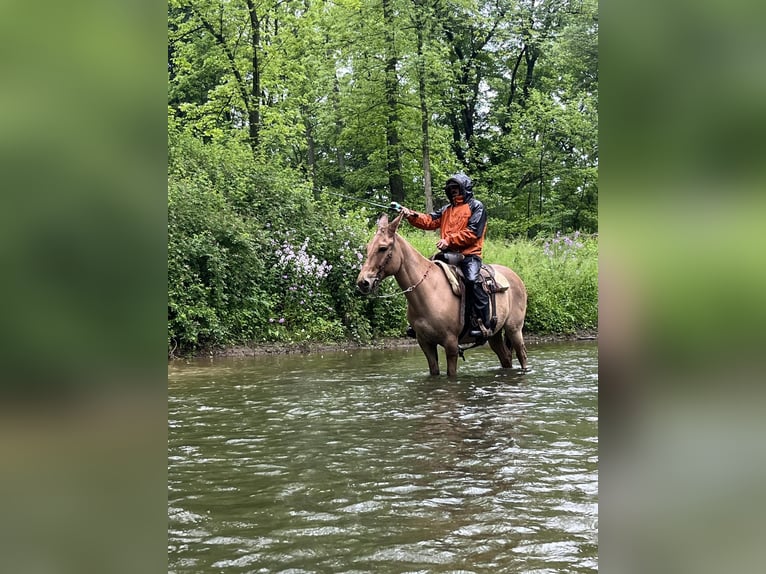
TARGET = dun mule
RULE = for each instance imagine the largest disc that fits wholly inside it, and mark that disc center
(432, 308)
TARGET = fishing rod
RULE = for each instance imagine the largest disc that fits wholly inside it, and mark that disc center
(393, 205)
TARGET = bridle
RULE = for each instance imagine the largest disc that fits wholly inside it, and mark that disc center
(386, 261)
(379, 274)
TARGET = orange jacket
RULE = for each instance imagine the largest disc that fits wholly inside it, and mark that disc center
(463, 224)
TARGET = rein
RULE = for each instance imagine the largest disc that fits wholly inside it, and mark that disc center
(407, 290)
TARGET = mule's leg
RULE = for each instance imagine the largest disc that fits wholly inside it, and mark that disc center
(517, 342)
(432, 356)
(502, 351)
(451, 350)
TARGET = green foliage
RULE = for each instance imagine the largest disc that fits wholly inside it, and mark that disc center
(213, 270)
(252, 264)
(561, 276)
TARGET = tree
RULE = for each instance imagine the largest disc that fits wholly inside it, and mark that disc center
(393, 156)
(378, 98)
(421, 10)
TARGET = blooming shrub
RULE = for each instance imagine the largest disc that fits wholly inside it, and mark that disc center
(562, 246)
(300, 278)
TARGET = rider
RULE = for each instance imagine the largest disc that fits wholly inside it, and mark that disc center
(463, 224)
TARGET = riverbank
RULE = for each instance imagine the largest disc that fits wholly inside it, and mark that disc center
(260, 349)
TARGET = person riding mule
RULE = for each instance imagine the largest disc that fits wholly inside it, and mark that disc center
(434, 309)
(462, 223)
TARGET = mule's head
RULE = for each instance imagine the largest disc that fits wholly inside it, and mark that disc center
(382, 257)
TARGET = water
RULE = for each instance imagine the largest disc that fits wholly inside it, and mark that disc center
(359, 462)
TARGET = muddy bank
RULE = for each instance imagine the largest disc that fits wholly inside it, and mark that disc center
(389, 343)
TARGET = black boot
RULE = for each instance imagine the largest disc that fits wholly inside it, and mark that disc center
(410, 332)
(481, 312)
(471, 317)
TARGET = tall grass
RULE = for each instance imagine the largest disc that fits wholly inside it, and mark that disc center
(560, 273)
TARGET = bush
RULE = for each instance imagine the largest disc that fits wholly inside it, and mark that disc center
(561, 276)
(214, 271)
(253, 257)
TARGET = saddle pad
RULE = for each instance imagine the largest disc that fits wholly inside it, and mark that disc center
(500, 280)
(451, 277)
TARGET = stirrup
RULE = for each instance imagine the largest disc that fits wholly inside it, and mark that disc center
(478, 339)
(481, 331)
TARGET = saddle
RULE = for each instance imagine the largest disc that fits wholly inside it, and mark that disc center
(491, 282)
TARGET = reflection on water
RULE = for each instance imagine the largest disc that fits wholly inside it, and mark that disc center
(360, 462)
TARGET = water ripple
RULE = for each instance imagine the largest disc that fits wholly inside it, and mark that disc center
(357, 462)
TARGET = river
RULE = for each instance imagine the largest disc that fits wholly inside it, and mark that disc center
(359, 462)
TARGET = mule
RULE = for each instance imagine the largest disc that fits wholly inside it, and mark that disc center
(433, 309)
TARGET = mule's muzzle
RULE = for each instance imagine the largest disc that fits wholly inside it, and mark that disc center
(366, 284)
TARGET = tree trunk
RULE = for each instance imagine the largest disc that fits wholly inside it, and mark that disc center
(310, 149)
(253, 108)
(530, 56)
(249, 99)
(393, 154)
(426, 143)
(505, 125)
(339, 154)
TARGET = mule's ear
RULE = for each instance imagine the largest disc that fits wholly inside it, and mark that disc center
(395, 223)
(383, 221)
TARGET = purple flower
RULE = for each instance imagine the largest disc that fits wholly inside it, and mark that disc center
(281, 320)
